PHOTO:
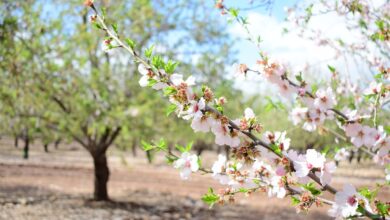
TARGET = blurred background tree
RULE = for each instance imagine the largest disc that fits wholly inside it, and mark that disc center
(57, 82)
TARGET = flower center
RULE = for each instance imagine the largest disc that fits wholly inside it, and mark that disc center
(351, 200)
(196, 108)
(309, 166)
(187, 164)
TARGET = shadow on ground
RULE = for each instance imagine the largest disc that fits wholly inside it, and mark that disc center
(26, 202)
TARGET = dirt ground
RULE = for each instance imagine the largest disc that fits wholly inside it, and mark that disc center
(59, 184)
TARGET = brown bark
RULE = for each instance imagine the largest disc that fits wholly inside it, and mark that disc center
(102, 174)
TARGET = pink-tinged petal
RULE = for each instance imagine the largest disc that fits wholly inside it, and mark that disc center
(352, 129)
(142, 69)
(176, 79)
(144, 81)
(159, 85)
(301, 169)
(190, 81)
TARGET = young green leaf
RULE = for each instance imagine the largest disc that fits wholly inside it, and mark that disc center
(146, 146)
(149, 52)
(171, 108)
(130, 43)
(210, 198)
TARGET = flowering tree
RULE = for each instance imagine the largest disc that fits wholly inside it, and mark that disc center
(262, 160)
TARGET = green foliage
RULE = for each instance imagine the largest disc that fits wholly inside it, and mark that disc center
(183, 149)
(312, 188)
(130, 43)
(295, 200)
(210, 198)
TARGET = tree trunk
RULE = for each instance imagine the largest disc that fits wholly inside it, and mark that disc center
(134, 148)
(46, 147)
(26, 147)
(149, 156)
(351, 156)
(16, 143)
(227, 151)
(58, 141)
(359, 156)
(102, 174)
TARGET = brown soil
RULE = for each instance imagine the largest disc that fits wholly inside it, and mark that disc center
(58, 185)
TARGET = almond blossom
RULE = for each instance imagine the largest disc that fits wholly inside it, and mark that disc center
(249, 114)
(373, 89)
(147, 76)
(341, 154)
(278, 138)
(224, 135)
(218, 168)
(187, 164)
(325, 174)
(297, 115)
(311, 160)
(347, 202)
(361, 134)
(277, 187)
(325, 99)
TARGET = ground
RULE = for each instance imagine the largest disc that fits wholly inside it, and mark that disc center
(59, 184)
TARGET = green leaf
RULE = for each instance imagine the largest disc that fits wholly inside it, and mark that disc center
(115, 28)
(146, 146)
(234, 12)
(219, 108)
(158, 62)
(104, 12)
(98, 26)
(171, 108)
(378, 76)
(169, 90)
(152, 82)
(299, 77)
(383, 208)
(210, 198)
(331, 69)
(170, 66)
(387, 129)
(130, 43)
(162, 145)
(149, 52)
(243, 190)
(311, 188)
(314, 88)
(325, 150)
(180, 148)
(295, 200)
(189, 146)
(170, 159)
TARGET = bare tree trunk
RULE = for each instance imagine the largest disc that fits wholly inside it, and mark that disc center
(227, 151)
(359, 156)
(102, 174)
(149, 156)
(46, 147)
(26, 146)
(134, 148)
(58, 141)
(16, 143)
(351, 156)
